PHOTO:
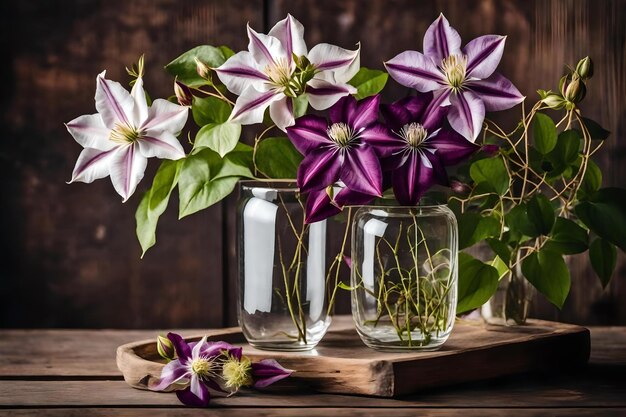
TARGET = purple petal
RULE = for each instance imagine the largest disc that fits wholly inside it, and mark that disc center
(342, 110)
(323, 94)
(90, 132)
(268, 371)
(484, 55)
(379, 137)
(290, 33)
(361, 171)
(366, 112)
(127, 169)
(319, 206)
(438, 108)
(490, 149)
(183, 351)
(441, 40)
(239, 72)
(162, 145)
(412, 69)
(251, 105)
(212, 349)
(187, 397)
(451, 148)
(319, 169)
(281, 113)
(308, 133)
(496, 92)
(348, 260)
(412, 179)
(467, 114)
(199, 390)
(92, 165)
(348, 197)
(439, 171)
(113, 102)
(396, 114)
(170, 374)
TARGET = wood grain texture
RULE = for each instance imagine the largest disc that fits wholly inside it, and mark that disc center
(68, 254)
(342, 364)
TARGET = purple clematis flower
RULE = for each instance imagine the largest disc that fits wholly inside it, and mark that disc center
(278, 68)
(218, 366)
(464, 78)
(119, 139)
(346, 149)
(420, 148)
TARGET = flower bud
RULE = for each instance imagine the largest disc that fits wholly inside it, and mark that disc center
(460, 187)
(584, 68)
(554, 101)
(165, 348)
(183, 94)
(575, 90)
(490, 149)
(202, 69)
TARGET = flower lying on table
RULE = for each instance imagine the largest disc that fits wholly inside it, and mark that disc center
(197, 368)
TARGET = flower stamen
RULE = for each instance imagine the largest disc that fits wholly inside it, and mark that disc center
(203, 367)
(341, 134)
(455, 68)
(237, 373)
(279, 72)
(414, 134)
(123, 134)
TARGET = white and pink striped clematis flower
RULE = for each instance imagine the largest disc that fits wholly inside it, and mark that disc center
(119, 139)
(277, 68)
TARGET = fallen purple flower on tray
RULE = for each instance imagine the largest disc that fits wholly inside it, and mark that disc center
(204, 367)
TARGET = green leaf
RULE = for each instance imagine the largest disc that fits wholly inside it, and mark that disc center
(592, 181)
(545, 133)
(474, 228)
(200, 184)
(300, 104)
(567, 237)
(184, 67)
(237, 163)
(368, 82)
(477, 283)
(541, 213)
(278, 158)
(209, 110)
(222, 138)
(595, 130)
(501, 249)
(605, 214)
(547, 271)
(603, 258)
(517, 220)
(154, 203)
(565, 153)
(492, 172)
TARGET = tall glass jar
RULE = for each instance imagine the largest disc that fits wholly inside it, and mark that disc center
(404, 276)
(282, 268)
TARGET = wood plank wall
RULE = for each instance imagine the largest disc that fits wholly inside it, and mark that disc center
(68, 254)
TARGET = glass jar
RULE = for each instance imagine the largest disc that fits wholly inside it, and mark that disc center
(510, 304)
(282, 269)
(404, 276)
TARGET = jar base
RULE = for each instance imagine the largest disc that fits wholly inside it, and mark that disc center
(283, 347)
(387, 341)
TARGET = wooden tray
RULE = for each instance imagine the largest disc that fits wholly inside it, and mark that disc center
(342, 364)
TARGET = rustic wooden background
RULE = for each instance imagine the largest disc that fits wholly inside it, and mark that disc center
(68, 254)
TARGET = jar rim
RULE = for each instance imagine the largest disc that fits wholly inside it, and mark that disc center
(284, 185)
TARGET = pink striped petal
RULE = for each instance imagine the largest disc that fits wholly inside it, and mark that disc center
(171, 373)
(251, 105)
(496, 92)
(268, 371)
(361, 171)
(290, 33)
(162, 145)
(412, 69)
(281, 113)
(90, 132)
(308, 133)
(336, 65)
(127, 169)
(113, 102)
(323, 94)
(92, 164)
(166, 116)
(239, 72)
(467, 114)
(483, 55)
(441, 40)
(264, 48)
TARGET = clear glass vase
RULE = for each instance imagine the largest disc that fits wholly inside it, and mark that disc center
(404, 276)
(510, 304)
(282, 269)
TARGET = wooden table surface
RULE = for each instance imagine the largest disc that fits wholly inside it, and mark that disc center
(73, 373)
